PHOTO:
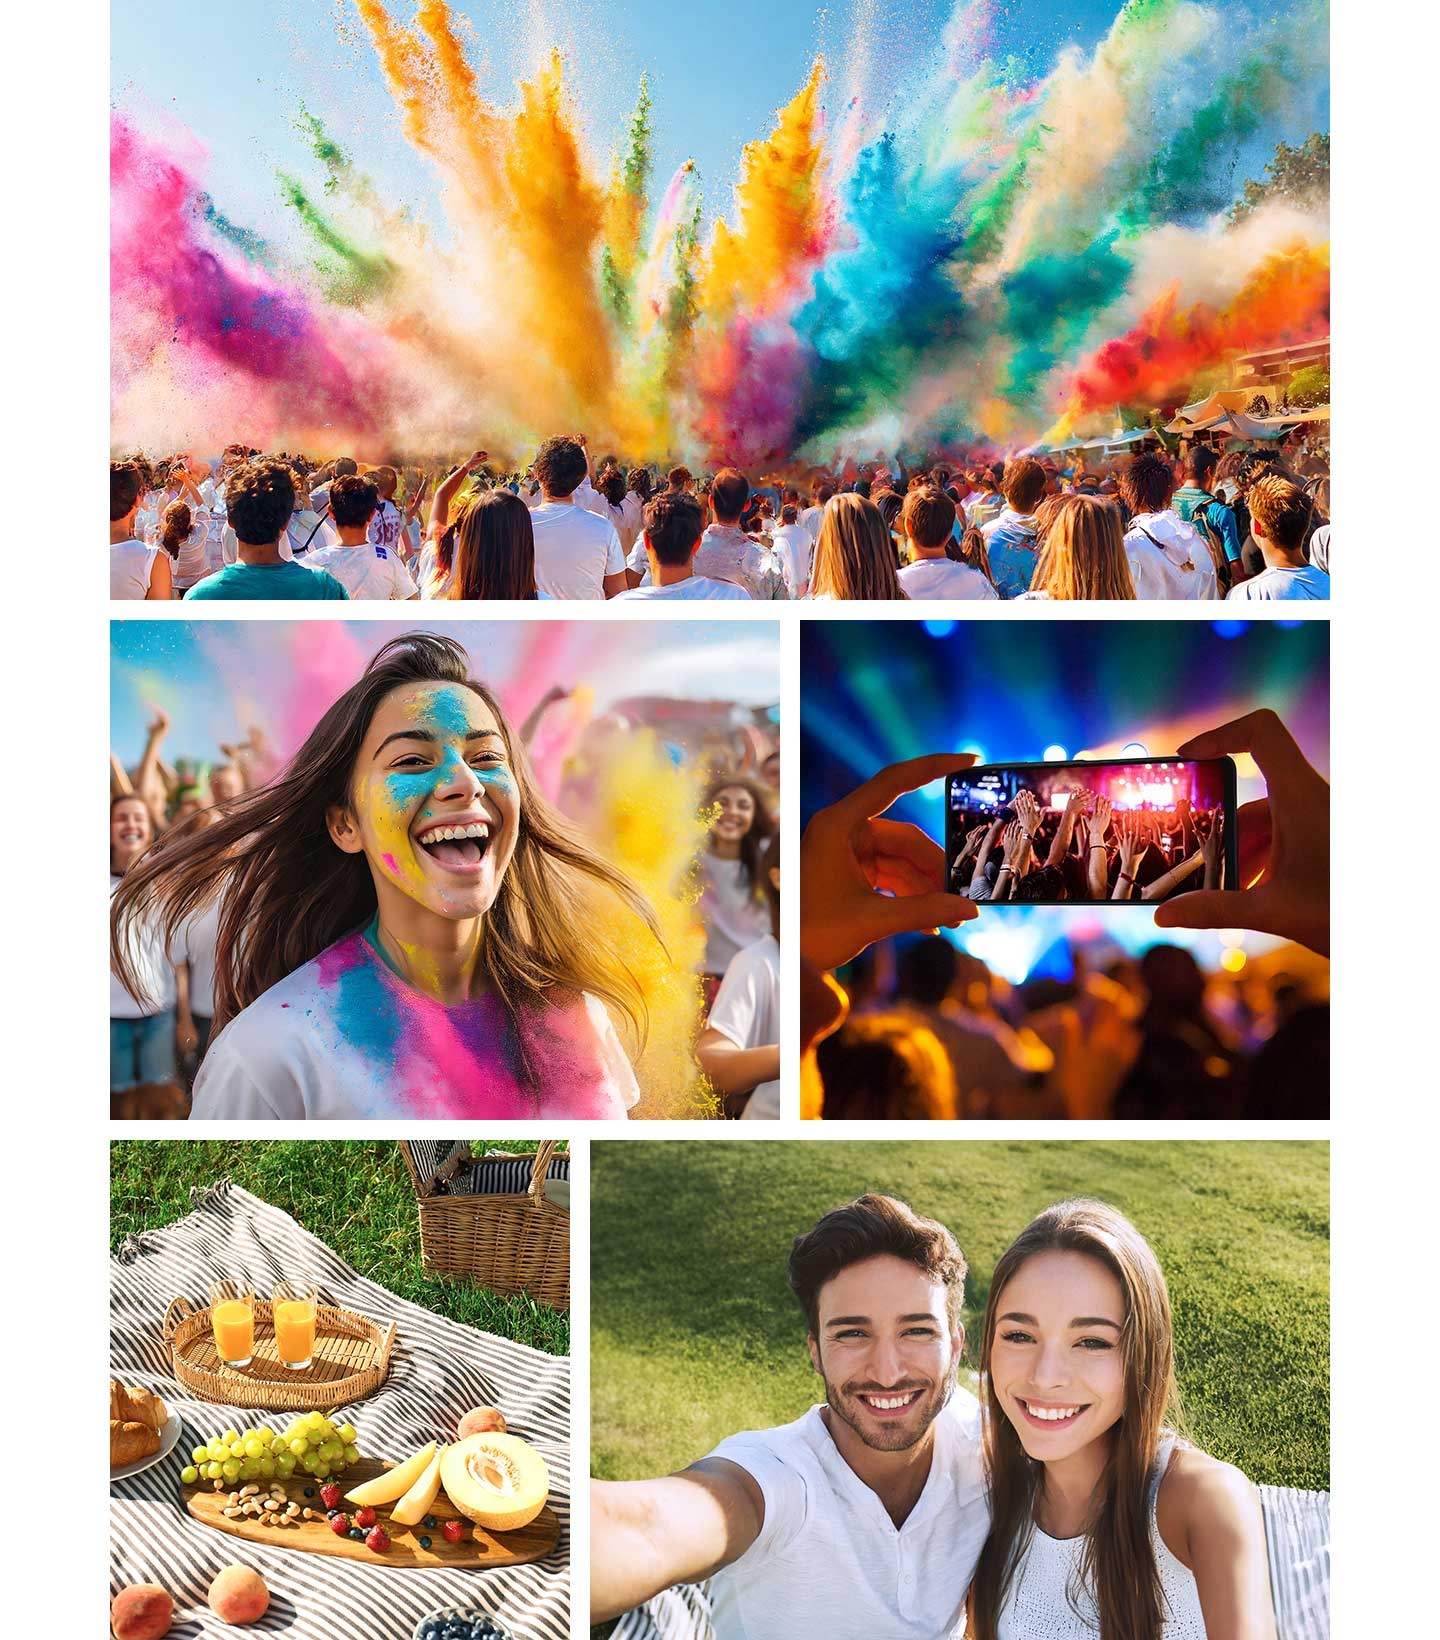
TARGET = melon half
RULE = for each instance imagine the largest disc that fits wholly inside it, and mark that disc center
(499, 1481)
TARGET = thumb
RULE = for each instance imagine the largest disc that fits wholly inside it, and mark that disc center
(1209, 908)
(919, 913)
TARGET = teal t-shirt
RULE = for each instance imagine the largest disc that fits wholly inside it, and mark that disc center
(290, 581)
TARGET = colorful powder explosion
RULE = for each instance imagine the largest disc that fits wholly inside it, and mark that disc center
(992, 256)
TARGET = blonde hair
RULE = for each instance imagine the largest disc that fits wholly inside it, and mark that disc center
(1082, 550)
(854, 557)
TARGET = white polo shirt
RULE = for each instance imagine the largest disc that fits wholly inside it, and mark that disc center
(830, 1561)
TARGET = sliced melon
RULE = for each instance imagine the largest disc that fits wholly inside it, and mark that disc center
(499, 1481)
(415, 1505)
(396, 1482)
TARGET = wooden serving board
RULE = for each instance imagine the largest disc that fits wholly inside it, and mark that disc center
(477, 1549)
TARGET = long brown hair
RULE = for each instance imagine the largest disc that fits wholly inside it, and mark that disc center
(1082, 550)
(494, 549)
(286, 892)
(175, 527)
(1118, 1562)
(760, 828)
(854, 556)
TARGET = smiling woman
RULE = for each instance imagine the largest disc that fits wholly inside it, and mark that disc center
(406, 925)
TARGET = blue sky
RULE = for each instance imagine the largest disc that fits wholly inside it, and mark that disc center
(718, 72)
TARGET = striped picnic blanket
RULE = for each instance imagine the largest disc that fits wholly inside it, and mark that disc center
(438, 1370)
(1297, 1535)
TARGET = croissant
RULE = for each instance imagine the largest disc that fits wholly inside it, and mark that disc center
(129, 1441)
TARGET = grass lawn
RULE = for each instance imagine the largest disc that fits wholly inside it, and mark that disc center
(695, 1334)
(356, 1196)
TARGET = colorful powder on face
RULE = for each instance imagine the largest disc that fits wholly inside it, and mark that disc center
(952, 261)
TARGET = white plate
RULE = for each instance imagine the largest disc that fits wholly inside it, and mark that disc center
(169, 1439)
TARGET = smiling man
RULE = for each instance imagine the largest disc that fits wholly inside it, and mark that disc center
(865, 1516)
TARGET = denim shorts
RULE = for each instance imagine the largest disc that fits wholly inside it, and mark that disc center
(142, 1052)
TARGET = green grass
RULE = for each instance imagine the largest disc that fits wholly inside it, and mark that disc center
(355, 1196)
(695, 1334)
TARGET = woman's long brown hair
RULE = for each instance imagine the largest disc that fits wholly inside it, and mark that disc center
(1118, 1563)
(286, 892)
(754, 840)
(494, 549)
(854, 555)
(1082, 550)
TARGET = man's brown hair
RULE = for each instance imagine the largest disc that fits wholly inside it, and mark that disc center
(928, 517)
(873, 1226)
(125, 486)
(353, 500)
(1024, 483)
(729, 493)
(1147, 484)
(1282, 510)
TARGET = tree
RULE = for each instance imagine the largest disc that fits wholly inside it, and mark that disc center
(1301, 175)
(1309, 387)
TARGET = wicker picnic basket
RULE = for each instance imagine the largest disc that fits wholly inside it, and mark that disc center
(476, 1225)
(352, 1360)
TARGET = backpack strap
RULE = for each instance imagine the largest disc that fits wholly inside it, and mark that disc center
(1189, 563)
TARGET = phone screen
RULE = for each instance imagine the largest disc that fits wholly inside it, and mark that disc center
(1101, 833)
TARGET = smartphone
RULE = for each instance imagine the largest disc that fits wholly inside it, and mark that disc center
(1159, 818)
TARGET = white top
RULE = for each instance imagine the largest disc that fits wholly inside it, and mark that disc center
(195, 946)
(943, 578)
(747, 1011)
(345, 1036)
(696, 586)
(366, 571)
(131, 563)
(639, 560)
(828, 1549)
(156, 976)
(1047, 1600)
(387, 525)
(433, 582)
(574, 550)
(191, 560)
(1320, 548)
(734, 914)
(1176, 563)
(794, 547)
(1280, 584)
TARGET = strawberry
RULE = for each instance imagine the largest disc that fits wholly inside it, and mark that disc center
(339, 1525)
(331, 1495)
(378, 1539)
(365, 1517)
(454, 1530)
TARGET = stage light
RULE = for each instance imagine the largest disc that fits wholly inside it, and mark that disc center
(1229, 629)
(1232, 936)
(1055, 754)
(975, 748)
(1134, 749)
(1232, 959)
(940, 629)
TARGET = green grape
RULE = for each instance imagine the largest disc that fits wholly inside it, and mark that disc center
(218, 1451)
(346, 1432)
(189, 1475)
(285, 1463)
(231, 1469)
(237, 1450)
(211, 1471)
(253, 1447)
(278, 1445)
(310, 1463)
(265, 1433)
(321, 1471)
(230, 1435)
(352, 1453)
(266, 1466)
(299, 1448)
(200, 1454)
(249, 1469)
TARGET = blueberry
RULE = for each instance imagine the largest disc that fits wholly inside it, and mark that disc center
(330, 1514)
(430, 1521)
(356, 1533)
(309, 1491)
(424, 1542)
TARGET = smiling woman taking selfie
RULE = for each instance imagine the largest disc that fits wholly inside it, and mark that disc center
(406, 926)
(1105, 1521)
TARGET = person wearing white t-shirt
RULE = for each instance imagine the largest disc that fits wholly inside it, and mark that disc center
(928, 519)
(577, 553)
(726, 552)
(1168, 558)
(137, 571)
(387, 523)
(739, 1049)
(183, 534)
(674, 523)
(821, 494)
(1280, 514)
(864, 1517)
(364, 568)
(794, 547)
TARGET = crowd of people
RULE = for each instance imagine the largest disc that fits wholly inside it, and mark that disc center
(1089, 850)
(183, 833)
(1242, 525)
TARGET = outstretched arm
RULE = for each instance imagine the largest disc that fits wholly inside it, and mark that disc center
(646, 1536)
(1097, 855)
(1216, 1514)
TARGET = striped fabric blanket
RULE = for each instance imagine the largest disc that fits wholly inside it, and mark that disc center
(438, 1371)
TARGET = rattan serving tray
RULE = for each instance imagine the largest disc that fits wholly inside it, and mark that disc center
(352, 1360)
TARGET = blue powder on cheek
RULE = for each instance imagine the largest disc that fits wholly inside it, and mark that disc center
(409, 787)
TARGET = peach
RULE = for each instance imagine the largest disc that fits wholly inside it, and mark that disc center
(142, 1612)
(482, 1421)
(239, 1595)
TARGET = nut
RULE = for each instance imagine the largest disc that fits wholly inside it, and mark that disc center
(249, 1491)
(231, 1514)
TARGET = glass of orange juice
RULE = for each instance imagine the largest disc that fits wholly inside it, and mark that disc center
(292, 1309)
(232, 1317)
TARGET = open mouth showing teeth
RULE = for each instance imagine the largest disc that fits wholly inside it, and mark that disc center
(1052, 1415)
(891, 1403)
(461, 848)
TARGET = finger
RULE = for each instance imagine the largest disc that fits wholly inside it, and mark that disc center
(919, 913)
(900, 877)
(881, 790)
(1209, 908)
(897, 839)
(1263, 735)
